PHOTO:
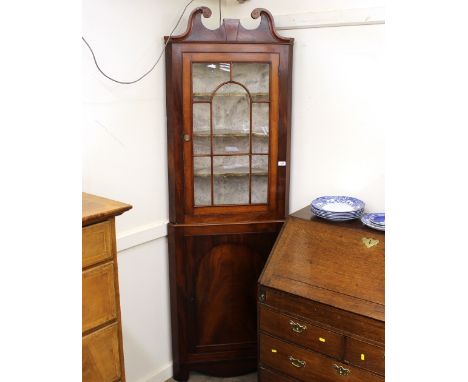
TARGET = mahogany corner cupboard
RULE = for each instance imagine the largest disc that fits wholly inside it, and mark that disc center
(228, 97)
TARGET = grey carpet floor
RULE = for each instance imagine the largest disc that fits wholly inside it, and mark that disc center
(195, 377)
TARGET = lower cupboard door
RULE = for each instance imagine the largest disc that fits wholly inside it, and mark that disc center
(308, 366)
(223, 272)
(101, 360)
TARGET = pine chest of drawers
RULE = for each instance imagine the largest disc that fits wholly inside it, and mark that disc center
(101, 327)
(321, 303)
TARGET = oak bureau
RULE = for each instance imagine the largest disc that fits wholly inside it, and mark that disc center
(321, 303)
(101, 326)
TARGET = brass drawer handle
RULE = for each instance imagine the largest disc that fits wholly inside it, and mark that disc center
(297, 327)
(296, 362)
(340, 370)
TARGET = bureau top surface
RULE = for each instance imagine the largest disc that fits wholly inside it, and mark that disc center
(96, 208)
(338, 264)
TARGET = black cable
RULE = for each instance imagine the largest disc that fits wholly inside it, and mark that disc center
(220, 13)
(149, 71)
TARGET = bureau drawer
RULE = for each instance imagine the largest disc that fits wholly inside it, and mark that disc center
(365, 355)
(97, 243)
(301, 332)
(101, 355)
(342, 320)
(306, 365)
(99, 305)
(266, 375)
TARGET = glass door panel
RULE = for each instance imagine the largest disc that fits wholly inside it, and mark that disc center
(260, 127)
(202, 180)
(231, 180)
(231, 120)
(255, 77)
(259, 178)
(201, 129)
(231, 133)
(206, 77)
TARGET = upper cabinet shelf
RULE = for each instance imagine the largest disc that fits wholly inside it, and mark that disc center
(230, 133)
(206, 97)
(238, 171)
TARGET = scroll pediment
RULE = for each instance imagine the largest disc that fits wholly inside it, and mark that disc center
(231, 30)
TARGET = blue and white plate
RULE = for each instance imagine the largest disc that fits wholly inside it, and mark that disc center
(319, 212)
(344, 204)
(338, 208)
(378, 219)
(367, 219)
(336, 215)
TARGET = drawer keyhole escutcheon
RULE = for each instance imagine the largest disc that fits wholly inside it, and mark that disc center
(297, 327)
(340, 370)
(321, 339)
(297, 362)
(369, 242)
(262, 297)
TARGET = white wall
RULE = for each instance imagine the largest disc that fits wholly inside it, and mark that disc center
(337, 138)
(337, 128)
(338, 134)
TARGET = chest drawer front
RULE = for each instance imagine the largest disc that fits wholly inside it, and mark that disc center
(266, 375)
(301, 332)
(306, 365)
(365, 355)
(99, 305)
(101, 360)
(337, 318)
(97, 243)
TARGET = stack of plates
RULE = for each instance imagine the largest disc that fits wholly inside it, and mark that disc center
(337, 208)
(376, 221)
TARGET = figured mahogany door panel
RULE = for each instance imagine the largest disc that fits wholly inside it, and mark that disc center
(97, 243)
(223, 271)
(99, 299)
(101, 360)
(306, 365)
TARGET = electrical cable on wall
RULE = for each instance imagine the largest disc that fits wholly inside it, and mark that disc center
(159, 58)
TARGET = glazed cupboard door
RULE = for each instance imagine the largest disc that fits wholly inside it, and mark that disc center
(230, 104)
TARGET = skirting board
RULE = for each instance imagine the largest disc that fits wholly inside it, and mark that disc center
(141, 235)
(161, 375)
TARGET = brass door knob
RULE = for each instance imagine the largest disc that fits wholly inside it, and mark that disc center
(186, 137)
